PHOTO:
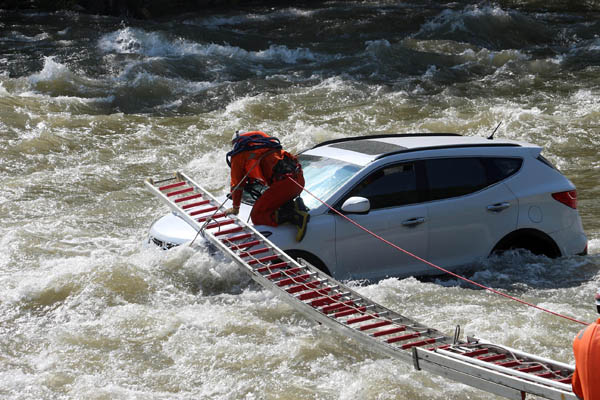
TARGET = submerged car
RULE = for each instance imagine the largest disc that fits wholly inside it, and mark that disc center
(448, 199)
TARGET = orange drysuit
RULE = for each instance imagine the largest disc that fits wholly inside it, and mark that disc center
(586, 347)
(259, 164)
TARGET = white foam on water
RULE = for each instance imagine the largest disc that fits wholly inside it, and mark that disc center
(52, 71)
(15, 36)
(454, 20)
(155, 44)
(216, 22)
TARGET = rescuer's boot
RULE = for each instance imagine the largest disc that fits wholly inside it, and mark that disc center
(291, 213)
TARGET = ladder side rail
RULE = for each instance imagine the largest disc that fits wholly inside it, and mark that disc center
(528, 356)
(174, 207)
(505, 370)
(525, 382)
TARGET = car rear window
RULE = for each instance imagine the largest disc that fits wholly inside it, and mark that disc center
(545, 161)
(453, 177)
(498, 169)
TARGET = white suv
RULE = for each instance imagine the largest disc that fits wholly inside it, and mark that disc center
(446, 198)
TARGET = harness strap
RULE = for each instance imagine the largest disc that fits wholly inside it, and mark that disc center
(252, 142)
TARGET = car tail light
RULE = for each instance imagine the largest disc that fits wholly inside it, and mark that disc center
(568, 198)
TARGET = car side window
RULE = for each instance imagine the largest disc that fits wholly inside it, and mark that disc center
(453, 177)
(389, 186)
(501, 168)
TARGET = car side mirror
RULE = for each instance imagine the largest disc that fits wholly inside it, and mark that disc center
(356, 204)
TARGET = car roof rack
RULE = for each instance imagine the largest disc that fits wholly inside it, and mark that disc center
(446, 146)
(382, 136)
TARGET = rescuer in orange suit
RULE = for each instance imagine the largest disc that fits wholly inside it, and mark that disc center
(258, 156)
(586, 346)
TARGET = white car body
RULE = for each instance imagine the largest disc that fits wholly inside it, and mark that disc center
(441, 219)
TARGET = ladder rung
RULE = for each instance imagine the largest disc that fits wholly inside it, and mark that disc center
(195, 204)
(344, 313)
(508, 364)
(389, 331)
(304, 286)
(403, 337)
(325, 300)
(442, 347)
(280, 274)
(186, 198)
(337, 307)
(476, 352)
(232, 230)
(533, 368)
(220, 223)
(564, 380)
(254, 252)
(205, 210)
(215, 216)
(244, 245)
(361, 319)
(271, 267)
(495, 357)
(264, 260)
(182, 191)
(375, 325)
(237, 238)
(171, 186)
(295, 279)
(313, 293)
(418, 343)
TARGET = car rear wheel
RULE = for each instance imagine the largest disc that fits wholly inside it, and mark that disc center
(533, 240)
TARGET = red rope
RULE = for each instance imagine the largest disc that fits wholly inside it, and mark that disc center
(436, 266)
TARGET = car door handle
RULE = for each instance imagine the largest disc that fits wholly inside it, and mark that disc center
(413, 221)
(498, 206)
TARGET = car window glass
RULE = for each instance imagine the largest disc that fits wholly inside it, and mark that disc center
(501, 168)
(323, 176)
(545, 161)
(390, 186)
(452, 177)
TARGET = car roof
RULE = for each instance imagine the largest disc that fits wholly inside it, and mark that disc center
(365, 149)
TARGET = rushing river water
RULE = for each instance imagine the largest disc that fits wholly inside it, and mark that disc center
(90, 106)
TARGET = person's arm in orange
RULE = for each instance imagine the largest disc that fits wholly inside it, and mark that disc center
(237, 186)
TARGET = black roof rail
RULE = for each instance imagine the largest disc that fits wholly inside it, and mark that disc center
(388, 135)
(447, 146)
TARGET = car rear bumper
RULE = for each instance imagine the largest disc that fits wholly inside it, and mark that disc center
(571, 243)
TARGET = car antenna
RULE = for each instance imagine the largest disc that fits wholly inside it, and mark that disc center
(491, 137)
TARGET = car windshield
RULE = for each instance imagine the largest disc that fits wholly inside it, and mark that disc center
(323, 176)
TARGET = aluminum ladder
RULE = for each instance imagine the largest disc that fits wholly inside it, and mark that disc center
(494, 368)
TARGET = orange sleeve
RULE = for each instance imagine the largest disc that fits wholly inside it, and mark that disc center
(237, 174)
(576, 384)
